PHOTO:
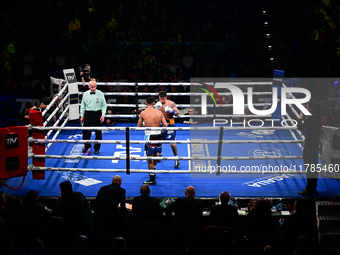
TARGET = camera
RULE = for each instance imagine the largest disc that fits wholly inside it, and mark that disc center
(85, 68)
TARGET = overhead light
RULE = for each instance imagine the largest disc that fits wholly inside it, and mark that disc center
(271, 59)
(266, 23)
(264, 12)
(268, 35)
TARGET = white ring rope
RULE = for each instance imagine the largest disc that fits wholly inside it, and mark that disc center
(110, 83)
(57, 122)
(55, 99)
(56, 134)
(176, 84)
(162, 141)
(193, 116)
(174, 94)
(163, 128)
(33, 168)
(164, 158)
(56, 110)
(184, 105)
(292, 133)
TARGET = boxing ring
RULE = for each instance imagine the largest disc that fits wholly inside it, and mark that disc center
(248, 161)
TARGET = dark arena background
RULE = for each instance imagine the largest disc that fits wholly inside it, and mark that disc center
(212, 58)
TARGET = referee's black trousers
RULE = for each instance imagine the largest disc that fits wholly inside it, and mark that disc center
(311, 159)
(92, 119)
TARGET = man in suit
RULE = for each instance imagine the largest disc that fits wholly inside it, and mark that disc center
(225, 215)
(146, 209)
(75, 211)
(312, 126)
(109, 207)
(188, 210)
(188, 216)
(147, 215)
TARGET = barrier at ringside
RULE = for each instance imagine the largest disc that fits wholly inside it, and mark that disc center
(14, 152)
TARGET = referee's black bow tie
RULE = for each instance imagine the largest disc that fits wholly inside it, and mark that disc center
(92, 93)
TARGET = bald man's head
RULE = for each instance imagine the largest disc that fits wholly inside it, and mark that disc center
(145, 189)
(190, 191)
(117, 179)
(93, 86)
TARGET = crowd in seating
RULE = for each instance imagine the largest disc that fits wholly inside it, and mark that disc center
(72, 222)
(158, 41)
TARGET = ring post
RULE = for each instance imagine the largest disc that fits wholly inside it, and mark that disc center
(127, 150)
(219, 152)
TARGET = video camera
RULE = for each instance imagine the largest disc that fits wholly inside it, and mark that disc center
(85, 68)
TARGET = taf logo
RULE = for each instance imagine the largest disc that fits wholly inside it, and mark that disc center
(71, 77)
(12, 141)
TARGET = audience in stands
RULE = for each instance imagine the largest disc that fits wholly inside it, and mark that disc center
(30, 227)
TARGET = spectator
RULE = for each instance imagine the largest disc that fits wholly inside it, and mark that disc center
(150, 62)
(109, 207)
(24, 115)
(75, 212)
(190, 121)
(188, 215)
(146, 209)
(119, 244)
(225, 215)
(125, 99)
(147, 219)
(109, 121)
(260, 229)
(57, 71)
(32, 216)
(173, 68)
(74, 28)
(188, 62)
(5, 211)
(29, 57)
(301, 223)
(187, 210)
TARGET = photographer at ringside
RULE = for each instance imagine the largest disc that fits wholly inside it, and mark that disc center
(86, 76)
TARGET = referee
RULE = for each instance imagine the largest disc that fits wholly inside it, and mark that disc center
(92, 111)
